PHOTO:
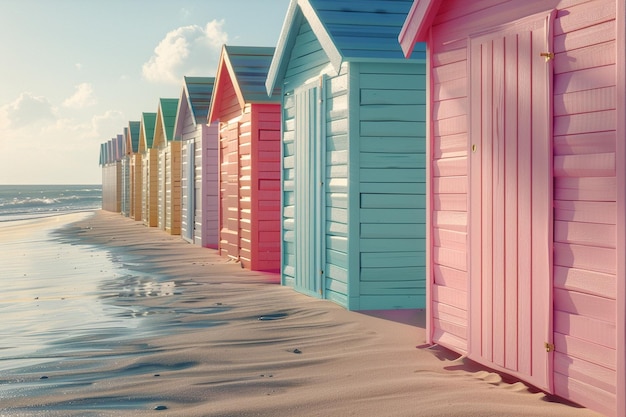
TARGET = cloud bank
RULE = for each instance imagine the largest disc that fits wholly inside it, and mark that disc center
(188, 50)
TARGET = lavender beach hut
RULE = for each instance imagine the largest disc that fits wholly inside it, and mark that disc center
(353, 162)
(199, 162)
(526, 224)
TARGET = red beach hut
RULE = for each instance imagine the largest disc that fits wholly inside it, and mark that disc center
(249, 134)
(526, 189)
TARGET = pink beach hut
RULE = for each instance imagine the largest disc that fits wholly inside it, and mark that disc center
(199, 170)
(149, 168)
(249, 158)
(526, 189)
(168, 167)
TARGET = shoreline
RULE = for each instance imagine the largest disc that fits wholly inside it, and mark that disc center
(195, 320)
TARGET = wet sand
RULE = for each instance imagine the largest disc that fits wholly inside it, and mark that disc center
(107, 317)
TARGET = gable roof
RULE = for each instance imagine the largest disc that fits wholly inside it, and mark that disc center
(166, 117)
(146, 133)
(245, 67)
(364, 30)
(417, 23)
(195, 97)
(133, 137)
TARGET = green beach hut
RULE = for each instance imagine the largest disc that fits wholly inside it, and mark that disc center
(353, 154)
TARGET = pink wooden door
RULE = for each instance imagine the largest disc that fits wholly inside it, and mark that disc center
(511, 199)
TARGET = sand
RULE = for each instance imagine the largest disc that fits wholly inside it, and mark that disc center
(172, 329)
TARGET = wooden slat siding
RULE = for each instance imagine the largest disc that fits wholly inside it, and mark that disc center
(265, 184)
(243, 183)
(337, 226)
(584, 260)
(161, 189)
(137, 185)
(229, 196)
(449, 194)
(207, 187)
(399, 118)
(173, 188)
(188, 185)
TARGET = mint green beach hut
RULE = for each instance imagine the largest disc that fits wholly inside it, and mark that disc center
(353, 154)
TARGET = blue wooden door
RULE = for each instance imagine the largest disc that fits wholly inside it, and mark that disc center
(309, 190)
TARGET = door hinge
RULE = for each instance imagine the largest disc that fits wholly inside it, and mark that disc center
(547, 55)
(549, 346)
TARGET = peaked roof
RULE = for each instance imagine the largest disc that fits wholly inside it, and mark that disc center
(166, 118)
(132, 144)
(363, 30)
(146, 133)
(245, 67)
(417, 23)
(103, 148)
(195, 96)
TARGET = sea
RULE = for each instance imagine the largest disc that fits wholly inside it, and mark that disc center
(23, 202)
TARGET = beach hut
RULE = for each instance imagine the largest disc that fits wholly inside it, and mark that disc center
(134, 156)
(112, 177)
(199, 160)
(149, 167)
(249, 157)
(353, 163)
(125, 167)
(526, 189)
(168, 167)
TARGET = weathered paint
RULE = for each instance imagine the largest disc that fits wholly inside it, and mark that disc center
(526, 189)
(249, 155)
(169, 173)
(149, 160)
(199, 159)
(353, 163)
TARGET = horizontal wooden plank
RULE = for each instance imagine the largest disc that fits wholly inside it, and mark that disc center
(585, 328)
(385, 96)
(406, 280)
(446, 109)
(584, 144)
(447, 339)
(588, 234)
(585, 58)
(586, 372)
(392, 81)
(392, 231)
(588, 79)
(585, 189)
(449, 313)
(600, 121)
(397, 187)
(450, 167)
(585, 350)
(450, 185)
(583, 15)
(445, 277)
(450, 146)
(398, 201)
(337, 258)
(450, 220)
(582, 393)
(393, 128)
(586, 101)
(395, 113)
(450, 202)
(589, 282)
(336, 273)
(393, 215)
(585, 305)
(451, 126)
(390, 302)
(389, 144)
(456, 88)
(451, 71)
(603, 212)
(592, 35)
(449, 239)
(393, 259)
(585, 257)
(450, 258)
(369, 175)
(392, 245)
(449, 327)
(392, 160)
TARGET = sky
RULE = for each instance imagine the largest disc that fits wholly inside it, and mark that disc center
(73, 73)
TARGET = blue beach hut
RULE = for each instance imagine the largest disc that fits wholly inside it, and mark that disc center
(353, 154)
(199, 160)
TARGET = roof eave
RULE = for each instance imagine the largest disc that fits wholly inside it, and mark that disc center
(286, 39)
(417, 24)
(323, 36)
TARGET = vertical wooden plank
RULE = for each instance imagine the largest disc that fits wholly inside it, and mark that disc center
(430, 279)
(475, 201)
(511, 204)
(498, 181)
(255, 162)
(524, 318)
(486, 304)
(620, 154)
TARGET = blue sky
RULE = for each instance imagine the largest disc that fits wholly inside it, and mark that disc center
(74, 72)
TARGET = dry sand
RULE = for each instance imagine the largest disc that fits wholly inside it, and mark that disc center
(200, 349)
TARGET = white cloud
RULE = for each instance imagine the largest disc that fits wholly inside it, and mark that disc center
(82, 97)
(188, 50)
(78, 66)
(25, 110)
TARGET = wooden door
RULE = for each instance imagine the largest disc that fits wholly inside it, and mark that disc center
(189, 188)
(511, 199)
(309, 191)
